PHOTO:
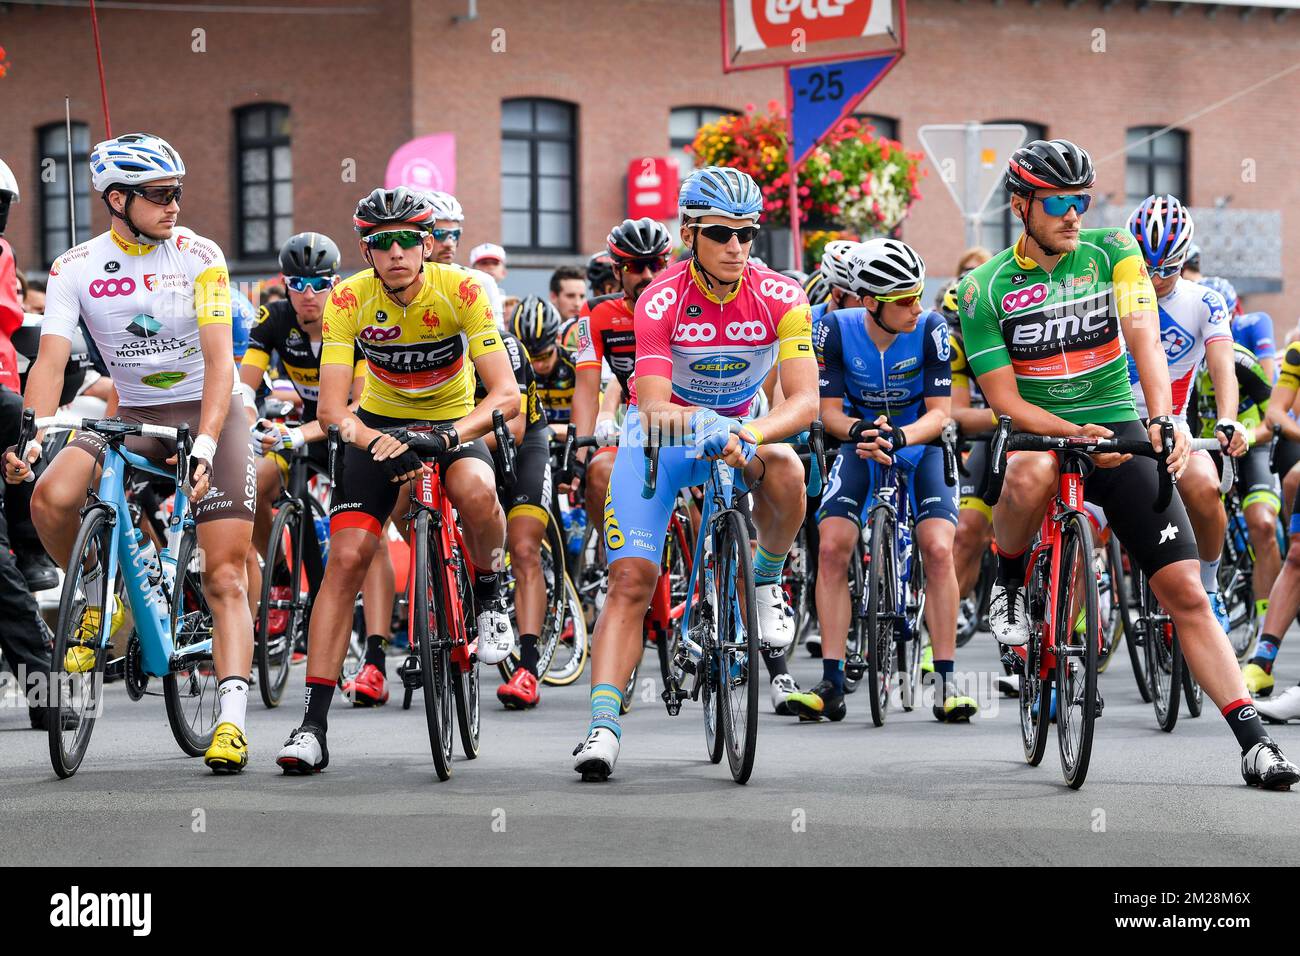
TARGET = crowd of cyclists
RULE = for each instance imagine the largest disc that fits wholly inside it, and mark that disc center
(708, 356)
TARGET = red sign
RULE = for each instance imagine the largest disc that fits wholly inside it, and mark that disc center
(652, 184)
(776, 20)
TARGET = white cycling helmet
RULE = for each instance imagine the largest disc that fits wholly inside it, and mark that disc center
(835, 263)
(446, 206)
(133, 159)
(8, 183)
(880, 267)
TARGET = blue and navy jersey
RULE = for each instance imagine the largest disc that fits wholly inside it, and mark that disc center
(1254, 330)
(896, 383)
(818, 311)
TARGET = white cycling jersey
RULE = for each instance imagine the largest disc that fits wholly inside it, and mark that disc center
(1190, 316)
(143, 305)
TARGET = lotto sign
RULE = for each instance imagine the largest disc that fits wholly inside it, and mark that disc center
(652, 183)
(775, 24)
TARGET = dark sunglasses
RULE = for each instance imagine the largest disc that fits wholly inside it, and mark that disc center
(159, 195)
(641, 265)
(315, 283)
(1060, 205)
(722, 234)
(406, 238)
(442, 235)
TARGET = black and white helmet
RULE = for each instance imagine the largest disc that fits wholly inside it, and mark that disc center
(882, 267)
(446, 206)
(835, 263)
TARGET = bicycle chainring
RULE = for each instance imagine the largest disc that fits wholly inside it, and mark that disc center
(137, 681)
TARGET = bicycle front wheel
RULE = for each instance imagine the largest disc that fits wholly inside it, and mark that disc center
(1078, 635)
(283, 607)
(190, 688)
(81, 645)
(736, 654)
(883, 613)
(465, 682)
(429, 631)
(1036, 693)
(1164, 660)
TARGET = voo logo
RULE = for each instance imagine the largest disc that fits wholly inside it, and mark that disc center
(694, 333)
(375, 334)
(781, 291)
(103, 288)
(1024, 298)
(659, 303)
(745, 331)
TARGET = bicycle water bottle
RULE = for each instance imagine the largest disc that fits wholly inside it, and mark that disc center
(323, 537)
(575, 529)
(148, 557)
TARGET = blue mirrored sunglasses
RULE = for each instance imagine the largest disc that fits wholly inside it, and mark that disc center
(1060, 205)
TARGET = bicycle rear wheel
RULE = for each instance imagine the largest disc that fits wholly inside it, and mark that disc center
(883, 612)
(570, 658)
(76, 694)
(283, 569)
(465, 682)
(1035, 700)
(190, 688)
(677, 565)
(1077, 638)
(736, 652)
(556, 609)
(428, 629)
(1164, 660)
(975, 609)
(1108, 609)
(911, 645)
(1192, 693)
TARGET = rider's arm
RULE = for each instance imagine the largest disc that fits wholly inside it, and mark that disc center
(62, 315)
(1265, 344)
(936, 387)
(610, 400)
(251, 369)
(586, 388)
(1285, 393)
(798, 377)
(213, 311)
(971, 421)
(493, 368)
(829, 351)
(1135, 302)
(1223, 373)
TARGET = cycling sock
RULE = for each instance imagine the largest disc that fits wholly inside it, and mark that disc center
(775, 662)
(320, 692)
(606, 701)
(1266, 652)
(1210, 576)
(1261, 609)
(1011, 568)
(768, 566)
(833, 673)
(375, 653)
(528, 656)
(485, 586)
(232, 696)
(1245, 723)
(944, 671)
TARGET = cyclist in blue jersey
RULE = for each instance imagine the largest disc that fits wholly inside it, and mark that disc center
(1254, 330)
(886, 381)
(242, 319)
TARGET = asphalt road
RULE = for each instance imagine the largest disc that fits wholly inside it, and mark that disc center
(912, 792)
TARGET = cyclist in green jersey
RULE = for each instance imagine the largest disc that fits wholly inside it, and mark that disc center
(1042, 323)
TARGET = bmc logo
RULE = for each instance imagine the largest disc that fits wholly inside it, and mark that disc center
(374, 334)
(694, 333)
(1015, 301)
(745, 331)
(1061, 328)
(658, 303)
(781, 291)
(102, 288)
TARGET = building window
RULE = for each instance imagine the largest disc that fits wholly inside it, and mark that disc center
(886, 126)
(264, 167)
(998, 227)
(52, 162)
(683, 123)
(1155, 165)
(539, 198)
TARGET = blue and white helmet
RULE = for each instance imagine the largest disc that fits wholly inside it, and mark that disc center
(720, 191)
(1223, 287)
(133, 159)
(1163, 228)
(445, 206)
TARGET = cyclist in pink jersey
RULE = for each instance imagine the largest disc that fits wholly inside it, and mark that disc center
(708, 332)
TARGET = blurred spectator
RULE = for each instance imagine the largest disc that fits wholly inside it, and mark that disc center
(271, 292)
(972, 258)
(20, 281)
(34, 300)
(490, 258)
(568, 291)
(508, 307)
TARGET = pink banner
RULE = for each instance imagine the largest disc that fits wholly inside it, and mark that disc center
(425, 163)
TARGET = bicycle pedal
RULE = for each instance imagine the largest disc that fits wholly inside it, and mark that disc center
(855, 667)
(1014, 661)
(672, 698)
(409, 673)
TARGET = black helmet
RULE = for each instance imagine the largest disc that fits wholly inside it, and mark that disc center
(600, 271)
(394, 207)
(817, 287)
(309, 254)
(798, 275)
(639, 239)
(1049, 164)
(536, 323)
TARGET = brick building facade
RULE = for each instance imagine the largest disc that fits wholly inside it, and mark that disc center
(359, 80)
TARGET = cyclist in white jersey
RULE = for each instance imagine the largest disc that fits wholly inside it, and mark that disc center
(156, 299)
(1194, 325)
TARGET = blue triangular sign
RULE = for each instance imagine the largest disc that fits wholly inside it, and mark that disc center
(821, 95)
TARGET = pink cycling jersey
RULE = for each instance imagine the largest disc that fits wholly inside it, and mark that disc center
(717, 352)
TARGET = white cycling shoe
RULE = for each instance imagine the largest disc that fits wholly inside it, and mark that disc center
(1008, 619)
(775, 617)
(595, 757)
(783, 685)
(304, 752)
(496, 638)
(1264, 766)
(1279, 710)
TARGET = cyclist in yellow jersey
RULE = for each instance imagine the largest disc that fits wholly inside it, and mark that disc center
(425, 329)
(156, 299)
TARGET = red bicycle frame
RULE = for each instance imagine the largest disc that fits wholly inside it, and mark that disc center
(661, 614)
(431, 496)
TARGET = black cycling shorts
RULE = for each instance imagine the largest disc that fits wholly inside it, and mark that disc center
(363, 495)
(1288, 453)
(1127, 495)
(973, 477)
(1255, 482)
(532, 491)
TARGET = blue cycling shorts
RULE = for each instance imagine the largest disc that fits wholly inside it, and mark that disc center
(852, 481)
(635, 526)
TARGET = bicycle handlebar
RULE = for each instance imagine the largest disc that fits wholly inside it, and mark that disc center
(1229, 464)
(813, 438)
(108, 427)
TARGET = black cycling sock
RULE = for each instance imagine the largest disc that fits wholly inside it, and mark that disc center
(320, 692)
(1011, 569)
(485, 586)
(528, 656)
(944, 670)
(375, 653)
(1245, 723)
(775, 662)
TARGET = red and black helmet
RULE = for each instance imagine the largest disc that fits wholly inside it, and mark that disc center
(1049, 164)
(394, 207)
(639, 239)
(600, 270)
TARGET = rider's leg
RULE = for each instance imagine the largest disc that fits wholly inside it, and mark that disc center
(599, 468)
(779, 503)
(224, 543)
(1199, 489)
(838, 536)
(59, 493)
(268, 489)
(1261, 526)
(524, 532)
(471, 486)
(1284, 603)
(974, 532)
(1030, 480)
(377, 593)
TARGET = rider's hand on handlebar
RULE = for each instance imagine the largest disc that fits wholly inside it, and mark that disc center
(400, 463)
(1238, 444)
(1182, 452)
(17, 470)
(606, 431)
(1104, 461)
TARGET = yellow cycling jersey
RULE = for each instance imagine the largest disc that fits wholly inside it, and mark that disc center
(416, 355)
(1289, 376)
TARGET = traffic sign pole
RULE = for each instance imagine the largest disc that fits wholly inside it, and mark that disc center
(972, 198)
